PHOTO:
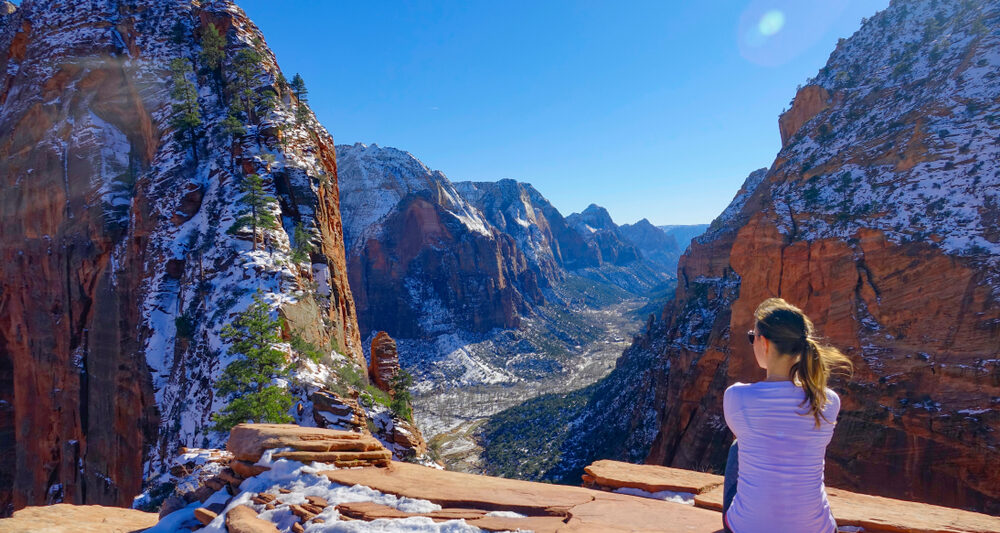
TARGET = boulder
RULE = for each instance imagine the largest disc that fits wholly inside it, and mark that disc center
(248, 442)
(243, 519)
(204, 515)
(246, 469)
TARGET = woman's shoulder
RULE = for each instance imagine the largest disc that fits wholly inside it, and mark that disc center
(735, 388)
(833, 398)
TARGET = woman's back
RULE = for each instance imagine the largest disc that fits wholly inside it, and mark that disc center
(781, 458)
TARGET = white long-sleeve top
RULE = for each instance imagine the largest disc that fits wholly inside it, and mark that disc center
(781, 459)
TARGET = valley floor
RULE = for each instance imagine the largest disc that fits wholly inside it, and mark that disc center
(582, 345)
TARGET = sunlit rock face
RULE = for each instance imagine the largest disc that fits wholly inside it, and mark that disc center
(117, 272)
(879, 217)
(422, 260)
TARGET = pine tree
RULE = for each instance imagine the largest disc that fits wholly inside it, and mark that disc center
(303, 245)
(246, 382)
(178, 33)
(298, 87)
(258, 200)
(213, 49)
(187, 117)
(233, 127)
(246, 65)
(401, 403)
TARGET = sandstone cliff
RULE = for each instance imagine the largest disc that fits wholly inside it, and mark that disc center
(117, 271)
(879, 218)
(422, 260)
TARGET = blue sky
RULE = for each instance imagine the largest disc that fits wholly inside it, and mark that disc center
(653, 110)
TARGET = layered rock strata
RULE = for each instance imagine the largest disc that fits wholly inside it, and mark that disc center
(117, 272)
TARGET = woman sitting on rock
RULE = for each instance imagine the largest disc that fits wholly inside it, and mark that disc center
(774, 476)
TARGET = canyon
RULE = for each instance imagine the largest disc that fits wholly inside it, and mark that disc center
(879, 219)
(540, 343)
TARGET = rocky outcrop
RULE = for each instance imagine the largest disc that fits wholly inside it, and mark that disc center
(248, 442)
(243, 519)
(384, 364)
(809, 101)
(421, 259)
(117, 272)
(875, 218)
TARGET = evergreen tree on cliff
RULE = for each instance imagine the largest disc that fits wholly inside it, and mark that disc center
(187, 116)
(257, 198)
(247, 380)
(298, 87)
(212, 49)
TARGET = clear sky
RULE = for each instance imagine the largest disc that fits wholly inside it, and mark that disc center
(653, 110)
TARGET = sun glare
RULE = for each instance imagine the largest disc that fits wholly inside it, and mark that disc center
(771, 22)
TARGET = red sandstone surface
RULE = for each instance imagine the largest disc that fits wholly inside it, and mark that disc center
(576, 508)
(837, 229)
(875, 514)
(66, 518)
(384, 364)
(81, 84)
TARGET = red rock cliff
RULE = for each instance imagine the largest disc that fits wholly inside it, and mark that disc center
(116, 269)
(877, 218)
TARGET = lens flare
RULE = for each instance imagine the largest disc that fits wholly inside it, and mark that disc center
(771, 23)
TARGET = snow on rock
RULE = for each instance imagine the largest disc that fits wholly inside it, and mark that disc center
(374, 179)
(144, 263)
(298, 482)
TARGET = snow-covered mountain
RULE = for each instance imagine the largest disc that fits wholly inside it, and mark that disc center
(424, 261)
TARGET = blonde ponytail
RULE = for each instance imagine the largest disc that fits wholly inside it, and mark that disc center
(791, 331)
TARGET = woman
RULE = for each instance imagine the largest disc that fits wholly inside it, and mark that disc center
(774, 476)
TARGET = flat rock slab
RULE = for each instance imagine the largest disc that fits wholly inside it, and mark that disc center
(875, 514)
(650, 478)
(67, 518)
(549, 508)
(373, 511)
(710, 499)
(248, 442)
(456, 489)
